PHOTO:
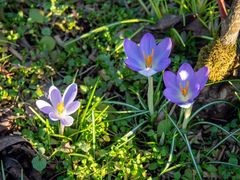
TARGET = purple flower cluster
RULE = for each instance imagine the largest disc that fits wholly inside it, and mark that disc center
(149, 58)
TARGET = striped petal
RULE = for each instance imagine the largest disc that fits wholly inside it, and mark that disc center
(44, 106)
(72, 107)
(55, 96)
(70, 94)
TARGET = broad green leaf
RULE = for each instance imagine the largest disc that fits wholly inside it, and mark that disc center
(47, 43)
(39, 163)
(46, 31)
(153, 166)
(164, 126)
(36, 15)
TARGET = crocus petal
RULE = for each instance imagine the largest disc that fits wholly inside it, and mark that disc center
(202, 76)
(186, 105)
(194, 90)
(185, 72)
(161, 64)
(55, 96)
(67, 121)
(44, 106)
(134, 65)
(163, 49)
(53, 116)
(72, 107)
(148, 72)
(172, 95)
(147, 43)
(132, 50)
(186, 86)
(170, 80)
(70, 94)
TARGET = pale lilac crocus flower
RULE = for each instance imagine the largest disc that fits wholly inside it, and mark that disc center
(184, 87)
(61, 107)
(148, 58)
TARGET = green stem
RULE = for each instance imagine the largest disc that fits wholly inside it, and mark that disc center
(150, 95)
(61, 129)
(187, 115)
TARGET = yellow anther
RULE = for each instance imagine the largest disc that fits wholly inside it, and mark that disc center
(60, 107)
(184, 90)
(148, 60)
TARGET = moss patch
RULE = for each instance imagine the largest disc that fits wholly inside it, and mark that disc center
(219, 58)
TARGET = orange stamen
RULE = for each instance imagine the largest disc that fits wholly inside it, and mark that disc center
(148, 60)
(184, 91)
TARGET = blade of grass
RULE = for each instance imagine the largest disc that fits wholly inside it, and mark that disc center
(78, 155)
(101, 113)
(106, 27)
(223, 81)
(175, 125)
(37, 114)
(158, 91)
(236, 88)
(203, 22)
(188, 146)
(121, 103)
(164, 7)
(93, 107)
(139, 98)
(125, 141)
(192, 156)
(224, 163)
(194, 6)
(207, 105)
(5, 57)
(89, 126)
(3, 172)
(127, 117)
(21, 174)
(93, 134)
(172, 168)
(144, 7)
(170, 155)
(163, 105)
(217, 126)
(88, 105)
(130, 133)
(238, 96)
(205, 37)
(125, 112)
(222, 141)
(8, 42)
(134, 130)
(177, 36)
(61, 136)
(156, 9)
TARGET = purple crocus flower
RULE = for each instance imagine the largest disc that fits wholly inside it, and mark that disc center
(148, 58)
(62, 106)
(184, 87)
